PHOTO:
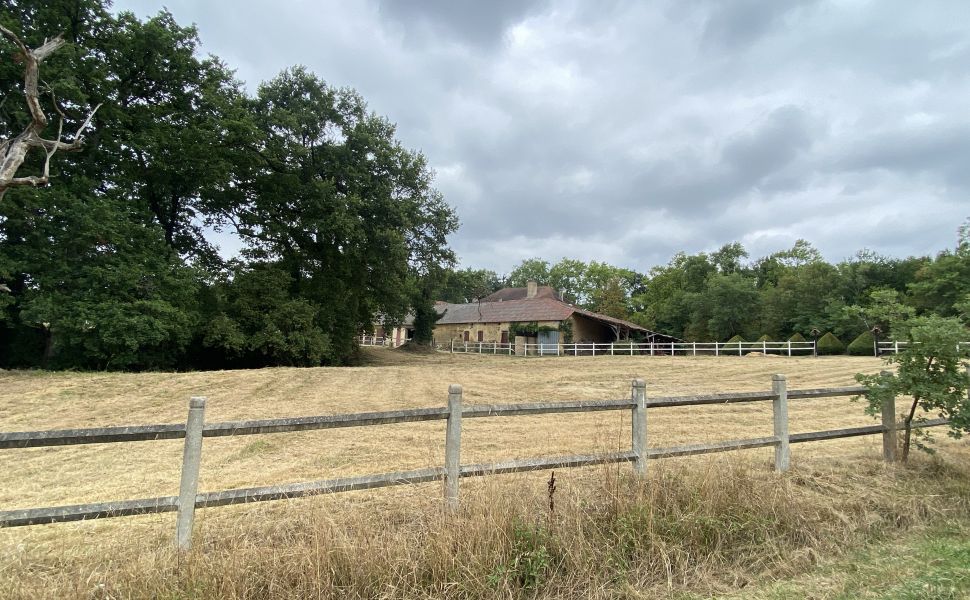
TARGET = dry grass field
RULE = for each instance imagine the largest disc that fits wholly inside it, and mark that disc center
(76, 558)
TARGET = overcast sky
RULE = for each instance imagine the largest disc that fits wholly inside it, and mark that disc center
(627, 131)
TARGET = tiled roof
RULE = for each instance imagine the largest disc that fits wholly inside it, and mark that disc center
(509, 311)
(520, 293)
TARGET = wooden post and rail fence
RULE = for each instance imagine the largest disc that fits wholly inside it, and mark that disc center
(195, 429)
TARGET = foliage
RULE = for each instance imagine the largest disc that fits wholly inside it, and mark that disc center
(883, 308)
(828, 344)
(468, 285)
(112, 269)
(532, 269)
(797, 337)
(531, 558)
(610, 300)
(863, 345)
(930, 369)
(733, 343)
(566, 329)
(529, 329)
(425, 315)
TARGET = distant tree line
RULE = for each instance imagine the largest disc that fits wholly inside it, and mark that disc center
(723, 295)
(109, 266)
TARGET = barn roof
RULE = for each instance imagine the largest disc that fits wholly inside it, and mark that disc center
(508, 311)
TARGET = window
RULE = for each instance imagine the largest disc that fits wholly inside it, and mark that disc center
(481, 336)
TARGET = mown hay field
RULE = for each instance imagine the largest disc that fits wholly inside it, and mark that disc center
(391, 380)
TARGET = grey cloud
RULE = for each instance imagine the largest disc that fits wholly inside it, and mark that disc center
(628, 130)
(741, 22)
(941, 149)
(770, 145)
(481, 23)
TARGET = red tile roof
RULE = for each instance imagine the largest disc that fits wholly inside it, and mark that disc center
(510, 311)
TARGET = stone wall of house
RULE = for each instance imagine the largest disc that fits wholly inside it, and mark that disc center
(491, 332)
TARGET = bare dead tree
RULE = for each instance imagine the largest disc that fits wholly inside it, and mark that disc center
(13, 151)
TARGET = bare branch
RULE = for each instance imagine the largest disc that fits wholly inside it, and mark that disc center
(13, 151)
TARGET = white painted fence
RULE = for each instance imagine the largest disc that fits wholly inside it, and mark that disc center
(374, 340)
(634, 348)
(894, 347)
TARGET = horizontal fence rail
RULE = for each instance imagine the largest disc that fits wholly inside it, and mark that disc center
(895, 347)
(175, 431)
(195, 430)
(631, 348)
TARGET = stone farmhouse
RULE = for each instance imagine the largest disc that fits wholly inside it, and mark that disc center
(532, 315)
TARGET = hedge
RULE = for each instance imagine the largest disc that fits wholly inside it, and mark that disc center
(829, 344)
(797, 338)
(862, 345)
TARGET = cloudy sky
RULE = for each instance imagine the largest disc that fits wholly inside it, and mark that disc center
(627, 131)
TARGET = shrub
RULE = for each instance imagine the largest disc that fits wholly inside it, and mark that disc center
(732, 344)
(829, 344)
(797, 337)
(862, 345)
(764, 338)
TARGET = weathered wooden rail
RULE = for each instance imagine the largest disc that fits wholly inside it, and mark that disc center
(194, 430)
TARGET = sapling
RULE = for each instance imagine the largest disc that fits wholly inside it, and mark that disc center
(932, 369)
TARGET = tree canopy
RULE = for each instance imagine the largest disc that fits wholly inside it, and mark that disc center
(112, 267)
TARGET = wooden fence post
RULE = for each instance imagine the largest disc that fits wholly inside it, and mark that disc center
(453, 447)
(779, 405)
(889, 428)
(639, 414)
(189, 484)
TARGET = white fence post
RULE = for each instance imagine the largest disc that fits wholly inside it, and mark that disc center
(651, 348)
(764, 346)
(889, 427)
(453, 447)
(611, 348)
(789, 348)
(716, 352)
(779, 405)
(639, 445)
(695, 348)
(189, 484)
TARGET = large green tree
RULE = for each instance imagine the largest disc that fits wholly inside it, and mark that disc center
(327, 192)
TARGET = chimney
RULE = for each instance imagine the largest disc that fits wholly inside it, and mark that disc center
(532, 289)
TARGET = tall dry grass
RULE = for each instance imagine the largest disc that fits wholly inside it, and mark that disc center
(701, 525)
